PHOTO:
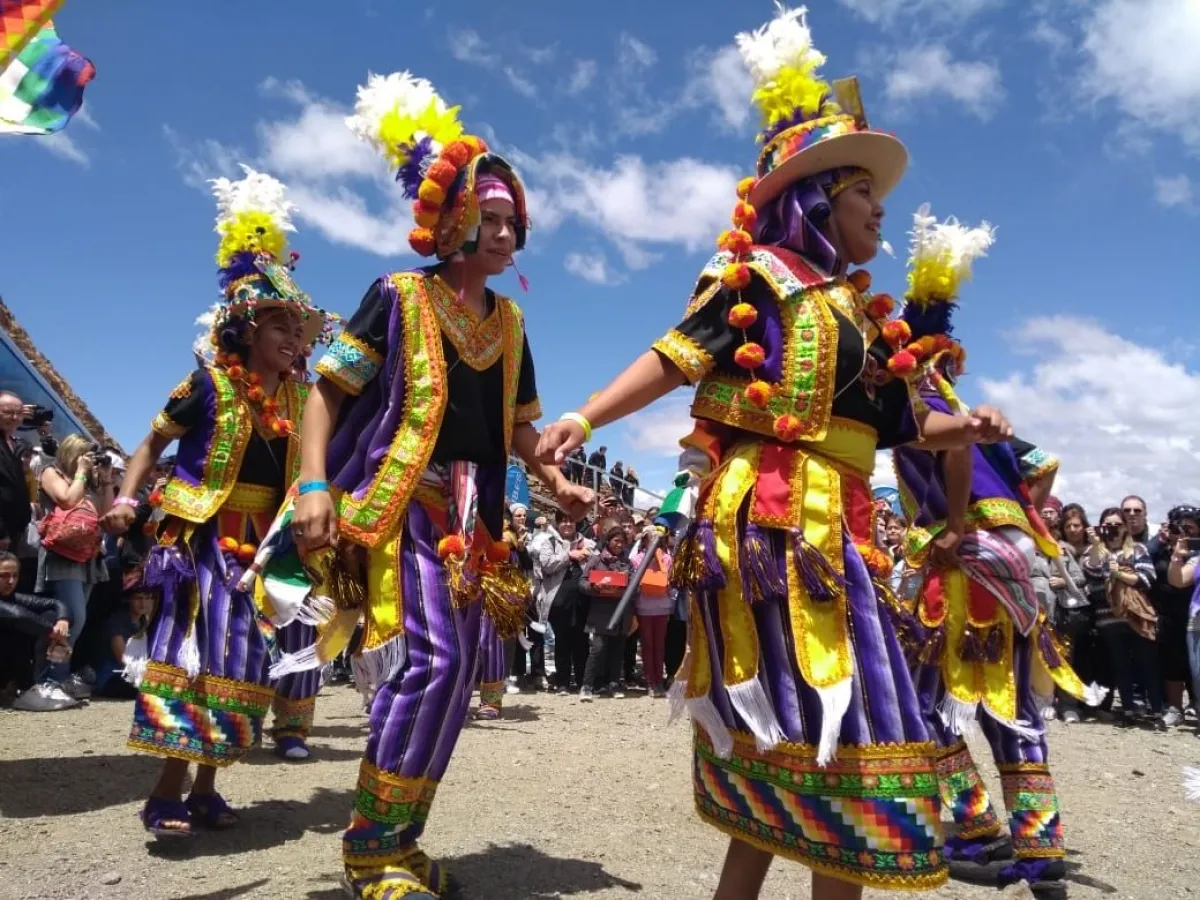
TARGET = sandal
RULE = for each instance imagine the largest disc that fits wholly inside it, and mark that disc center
(389, 884)
(1046, 877)
(293, 749)
(487, 714)
(211, 811)
(158, 812)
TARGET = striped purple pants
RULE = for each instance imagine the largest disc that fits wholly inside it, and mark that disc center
(417, 716)
(492, 665)
(1023, 762)
(296, 693)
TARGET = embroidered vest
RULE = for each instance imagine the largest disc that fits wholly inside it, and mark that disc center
(428, 309)
(805, 343)
(210, 457)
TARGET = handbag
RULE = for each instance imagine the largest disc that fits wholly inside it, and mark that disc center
(607, 582)
(1130, 604)
(73, 534)
(654, 580)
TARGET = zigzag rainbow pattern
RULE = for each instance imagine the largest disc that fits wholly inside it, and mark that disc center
(1033, 811)
(965, 795)
(186, 731)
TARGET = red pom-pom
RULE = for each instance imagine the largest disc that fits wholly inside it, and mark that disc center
(742, 315)
(270, 404)
(744, 215)
(942, 342)
(255, 393)
(423, 241)
(253, 378)
(156, 497)
(758, 393)
(442, 173)
(281, 427)
(736, 276)
(426, 215)
(235, 372)
(750, 355)
(457, 153)
(787, 427)
(917, 350)
(881, 306)
(499, 552)
(896, 332)
(745, 186)
(902, 364)
(451, 545)
(228, 544)
(860, 280)
(736, 241)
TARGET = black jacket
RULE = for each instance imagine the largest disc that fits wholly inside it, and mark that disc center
(30, 614)
(602, 607)
(15, 502)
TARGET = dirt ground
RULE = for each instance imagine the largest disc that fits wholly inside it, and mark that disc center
(560, 799)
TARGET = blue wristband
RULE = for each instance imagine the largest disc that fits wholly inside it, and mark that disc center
(314, 487)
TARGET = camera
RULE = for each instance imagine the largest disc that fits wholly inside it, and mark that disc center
(98, 455)
(39, 417)
(1108, 531)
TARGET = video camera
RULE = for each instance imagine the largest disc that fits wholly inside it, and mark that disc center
(39, 417)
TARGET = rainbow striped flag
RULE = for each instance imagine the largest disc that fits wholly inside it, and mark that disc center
(20, 21)
(42, 88)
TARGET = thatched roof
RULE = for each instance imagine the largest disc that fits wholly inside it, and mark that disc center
(20, 337)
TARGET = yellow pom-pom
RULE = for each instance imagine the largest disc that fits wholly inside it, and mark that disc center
(758, 393)
(736, 276)
(745, 216)
(423, 241)
(788, 427)
(750, 355)
(745, 186)
(425, 214)
(431, 192)
(742, 315)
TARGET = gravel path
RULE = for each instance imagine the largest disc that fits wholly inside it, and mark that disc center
(560, 799)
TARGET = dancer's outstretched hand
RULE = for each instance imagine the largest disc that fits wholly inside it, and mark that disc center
(989, 425)
(576, 500)
(558, 440)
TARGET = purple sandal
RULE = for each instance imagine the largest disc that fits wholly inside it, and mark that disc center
(209, 810)
(157, 811)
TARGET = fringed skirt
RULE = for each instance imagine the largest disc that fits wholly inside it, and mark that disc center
(809, 741)
(201, 671)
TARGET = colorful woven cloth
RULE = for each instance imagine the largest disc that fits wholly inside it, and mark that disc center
(20, 20)
(42, 88)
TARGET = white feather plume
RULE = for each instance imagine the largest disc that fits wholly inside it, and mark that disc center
(256, 192)
(950, 246)
(382, 94)
(784, 42)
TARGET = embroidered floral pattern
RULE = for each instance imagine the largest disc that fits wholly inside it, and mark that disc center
(689, 357)
(350, 364)
(479, 343)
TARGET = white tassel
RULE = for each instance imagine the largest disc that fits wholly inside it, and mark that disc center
(374, 668)
(704, 714)
(1094, 694)
(291, 663)
(137, 658)
(835, 701)
(750, 701)
(676, 700)
(1030, 731)
(958, 717)
(317, 610)
(1191, 782)
(190, 654)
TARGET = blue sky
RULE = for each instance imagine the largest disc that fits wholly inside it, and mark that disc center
(1074, 126)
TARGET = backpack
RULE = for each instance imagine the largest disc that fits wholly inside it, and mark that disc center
(73, 534)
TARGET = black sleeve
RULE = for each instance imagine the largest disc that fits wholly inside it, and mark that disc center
(705, 340)
(187, 406)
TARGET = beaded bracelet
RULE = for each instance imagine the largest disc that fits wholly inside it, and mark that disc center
(131, 502)
(580, 420)
(313, 487)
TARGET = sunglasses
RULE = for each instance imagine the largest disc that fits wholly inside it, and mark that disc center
(1134, 512)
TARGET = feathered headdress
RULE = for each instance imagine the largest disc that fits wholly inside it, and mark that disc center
(942, 256)
(254, 264)
(408, 123)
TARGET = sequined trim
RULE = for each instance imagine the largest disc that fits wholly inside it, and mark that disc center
(810, 338)
(183, 390)
(251, 498)
(371, 518)
(870, 817)
(1036, 464)
(491, 693)
(350, 364)
(164, 425)
(293, 718)
(688, 356)
(392, 799)
(983, 515)
(479, 342)
(514, 347)
(528, 412)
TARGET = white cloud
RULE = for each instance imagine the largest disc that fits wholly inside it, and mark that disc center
(1120, 415)
(1142, 56)
(885, 472)
(635, 53)
(582, 76)
(931, 71)
(885, 12)
(722, 79)
(658, 428)
(520, 83)
(84, 117)
(466, 45)
(592, 267)
(199, 161)
(1177, 191)
(636, 111)
(63, 146)
(1050, 36)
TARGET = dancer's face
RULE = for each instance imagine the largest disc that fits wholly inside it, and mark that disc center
(278, 340)
(857, 217)
(497, 236)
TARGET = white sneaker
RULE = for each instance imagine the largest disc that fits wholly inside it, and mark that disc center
(76, 687)
(1048, 714)
(1070, 717)
(45, 698)
(1172, 717)
(586, 695)
(511, 686)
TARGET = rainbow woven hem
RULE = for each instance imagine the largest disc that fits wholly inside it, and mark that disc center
(209, 720)
(389, 815)
(293, 718)
(1037, 831)
(965, 795)
(871, 817)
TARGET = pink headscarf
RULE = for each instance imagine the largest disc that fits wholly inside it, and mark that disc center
(492, 187)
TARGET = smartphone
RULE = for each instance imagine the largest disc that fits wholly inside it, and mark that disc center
(1193, 544)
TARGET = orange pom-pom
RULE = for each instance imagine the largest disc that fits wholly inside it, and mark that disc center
(442, 173)
(451, 545)
(744, 215)
(232, 359)
(750, 355)
(270, 404)
(902, 364)
(246, 553)
(927, 344)
(942, 342)
(255, 393)
(917, 350)
(281, 427)
(742, 315)
(254, 378)
(431, 192)
(156, 497)
(745, 186)
(475, 144)
(425, 215)
(228, 544)
(235, 372)
(423, 241)
(758, 393)
(860, 280)
(737, 242)
(736, 276)
(499, 552)
(457, 153)
(787, 427)
(896, 332)
(881, 306)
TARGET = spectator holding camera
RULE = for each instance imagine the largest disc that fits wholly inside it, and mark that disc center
(1126, 619)
(74, 492)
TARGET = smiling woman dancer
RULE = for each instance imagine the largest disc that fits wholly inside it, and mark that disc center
(809, 740)
(203, 688)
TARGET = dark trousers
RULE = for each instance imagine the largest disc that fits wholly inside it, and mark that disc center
(1077, 627)
(537, 656)
(570, 643)
(1133, 658)
(629, 660)
(604, 660)
(676, 646)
